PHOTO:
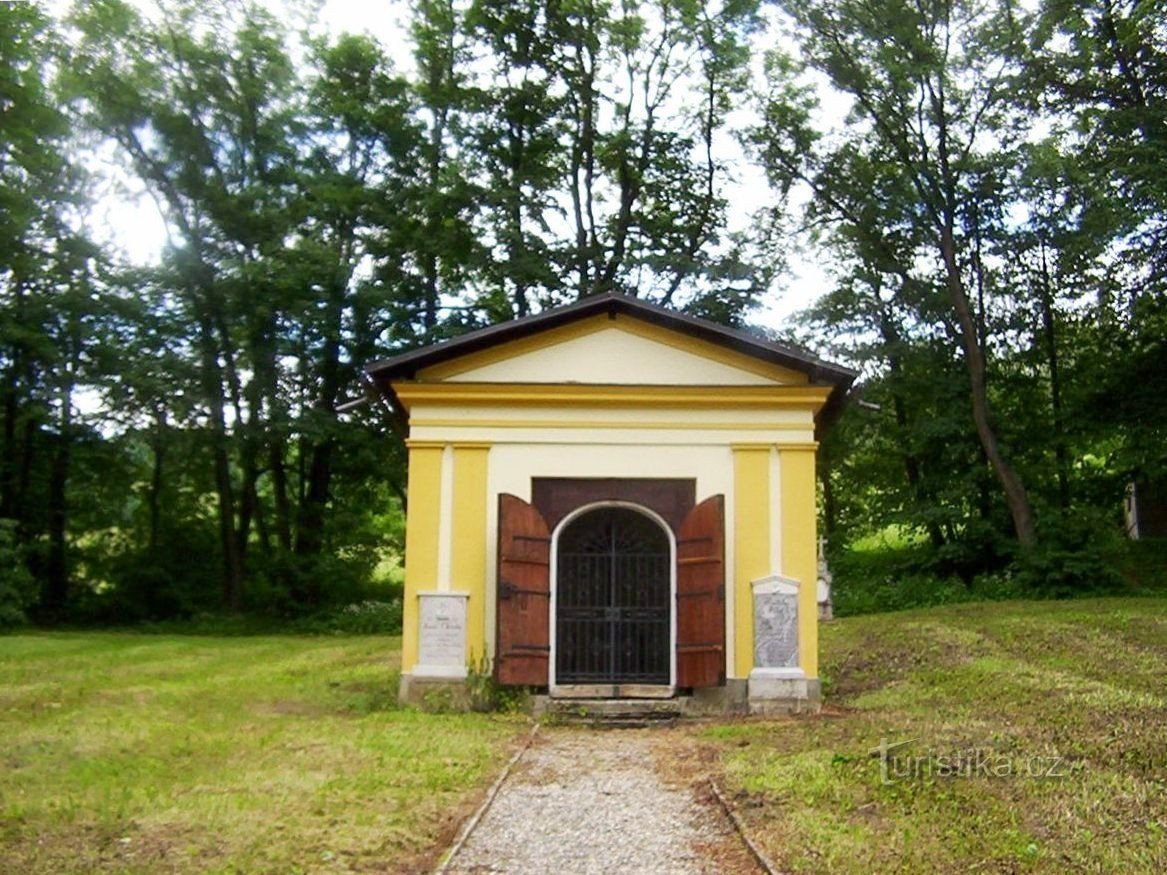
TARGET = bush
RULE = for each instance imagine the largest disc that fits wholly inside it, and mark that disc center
(360, 618)
(488, 695)
(118, 584)
(869, 581)
(1074, 556)
(895, 592)
(17, 586)
(1078, 553)
(286, 585)
(1143, 565)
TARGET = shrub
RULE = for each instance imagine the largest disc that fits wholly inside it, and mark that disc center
(1071, 557)
(895, 591)
(287, 585)
(487, 695)
(367, 617)
(1055, 571)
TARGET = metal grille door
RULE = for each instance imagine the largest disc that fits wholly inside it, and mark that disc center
(612, 600)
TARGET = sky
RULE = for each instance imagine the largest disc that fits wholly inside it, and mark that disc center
(128, 218)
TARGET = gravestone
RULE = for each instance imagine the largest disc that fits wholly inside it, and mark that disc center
(777, 682)
(825, 579)
(775, 623)
(441, 648)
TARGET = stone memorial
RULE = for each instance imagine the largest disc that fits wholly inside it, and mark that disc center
(777, 683)
(442, 634)
(825, 579)
(775, 623)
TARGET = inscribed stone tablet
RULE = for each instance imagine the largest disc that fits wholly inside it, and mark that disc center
(442, 627)
(775, 629)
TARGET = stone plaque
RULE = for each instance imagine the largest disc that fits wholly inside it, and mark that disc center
(442, 630)
(775, 623)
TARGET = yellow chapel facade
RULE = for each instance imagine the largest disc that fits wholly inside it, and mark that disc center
(613, 500)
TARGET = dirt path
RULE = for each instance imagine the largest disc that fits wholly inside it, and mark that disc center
(590, 801)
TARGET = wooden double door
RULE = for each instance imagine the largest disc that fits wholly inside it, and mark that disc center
(615, 604)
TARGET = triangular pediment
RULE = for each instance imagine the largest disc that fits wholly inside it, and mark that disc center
(612, 350)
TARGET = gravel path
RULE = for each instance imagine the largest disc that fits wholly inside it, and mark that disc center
(587, 801)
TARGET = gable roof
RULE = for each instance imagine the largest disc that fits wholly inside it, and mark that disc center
(406, 365)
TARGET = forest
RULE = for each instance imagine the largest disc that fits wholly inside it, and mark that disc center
(982, 181)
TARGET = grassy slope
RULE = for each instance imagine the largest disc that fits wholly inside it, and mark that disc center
(1082, 680)
(138, 753)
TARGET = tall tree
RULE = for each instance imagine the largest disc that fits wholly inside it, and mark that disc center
(47, 305)
(1098, 69)
(366, 152)
(517, 131)
(928, 86)
(202, 106)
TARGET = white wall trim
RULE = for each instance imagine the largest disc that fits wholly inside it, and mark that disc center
(445, 521)
(660, 521)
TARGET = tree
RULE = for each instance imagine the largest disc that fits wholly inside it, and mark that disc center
(366, 148)
(1099, 70)
(203, 106)
(48, 302)
(517, 131)
(928, 86)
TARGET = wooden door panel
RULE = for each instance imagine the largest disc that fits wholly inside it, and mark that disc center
(701, 595)
(524, 594)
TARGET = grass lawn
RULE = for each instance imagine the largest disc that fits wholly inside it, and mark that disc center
(1077, 687)
(127, 752)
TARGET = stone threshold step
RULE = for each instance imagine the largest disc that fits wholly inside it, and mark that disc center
(631, 712)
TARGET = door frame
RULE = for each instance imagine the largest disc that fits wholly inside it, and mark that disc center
(613, 690)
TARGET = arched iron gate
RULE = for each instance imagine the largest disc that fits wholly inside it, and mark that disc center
(612, 617)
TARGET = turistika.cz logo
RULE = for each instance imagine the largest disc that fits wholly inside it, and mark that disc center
(896, 764)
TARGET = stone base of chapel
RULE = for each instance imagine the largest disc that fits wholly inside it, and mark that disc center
(436, 693)
(779, 691)
(760, 695)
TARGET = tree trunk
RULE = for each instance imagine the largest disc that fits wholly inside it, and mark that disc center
(830, 504)
(55, 595)
(156, 476)
(1015, 495)
(1049, 333)
(317, 480)
(890, 334)
(8, 460)
(248, 499)
(10, 506)
(31, 440)
(224, 490)
(279, 482)
(583, 161)
(310, 528)
(580, 84)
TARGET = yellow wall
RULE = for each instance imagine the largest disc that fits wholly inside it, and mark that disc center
(468, 540)
(799, 545)
(753, 522)
(751, 538)
(422, 526)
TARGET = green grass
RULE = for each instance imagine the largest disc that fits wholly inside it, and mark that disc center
(129, 752)
(1077, 686)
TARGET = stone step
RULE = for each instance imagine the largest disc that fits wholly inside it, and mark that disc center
(611, 713)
